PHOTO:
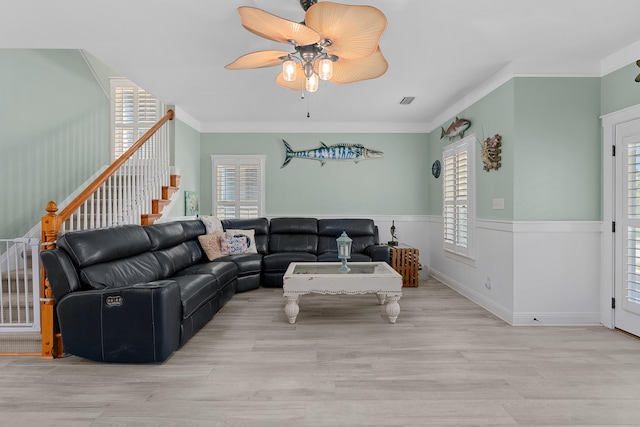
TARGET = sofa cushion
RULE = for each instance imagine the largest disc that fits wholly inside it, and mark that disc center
(293, 235)
(225, 272)
(89, 247)
(246, 263)
(361, 231)
(61, 273)
(144, 267)
(279, 262)
(193, 228)
(174, 259)
(165, 235)
(293, 226)
(195, 291)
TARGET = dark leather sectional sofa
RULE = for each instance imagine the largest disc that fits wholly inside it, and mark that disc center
(136, 294)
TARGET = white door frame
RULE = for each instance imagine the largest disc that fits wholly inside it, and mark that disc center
(609, 123)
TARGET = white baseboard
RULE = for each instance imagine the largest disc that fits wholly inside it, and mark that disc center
(556, 319)
(484, 302)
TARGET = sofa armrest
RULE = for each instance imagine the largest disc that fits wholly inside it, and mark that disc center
(136, 323)
(378, 253)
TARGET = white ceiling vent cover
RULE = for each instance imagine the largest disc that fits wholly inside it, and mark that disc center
(407, 100)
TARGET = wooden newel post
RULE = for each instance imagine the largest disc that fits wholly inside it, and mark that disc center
(51, 338)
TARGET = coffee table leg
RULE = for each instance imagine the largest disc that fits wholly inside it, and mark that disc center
(381, 298)
(291, 309)
(393, 308)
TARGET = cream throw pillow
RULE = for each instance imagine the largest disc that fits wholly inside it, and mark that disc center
(211, 223)
(211, 244)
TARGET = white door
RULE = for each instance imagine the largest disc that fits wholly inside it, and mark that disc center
(627, 228)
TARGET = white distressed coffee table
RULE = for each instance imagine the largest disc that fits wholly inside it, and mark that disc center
(378, 278)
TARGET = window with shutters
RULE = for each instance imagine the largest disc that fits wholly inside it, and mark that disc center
(238, 186)
(458, 190)
(134, 111)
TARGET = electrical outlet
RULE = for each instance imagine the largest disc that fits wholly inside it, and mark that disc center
(487, 284)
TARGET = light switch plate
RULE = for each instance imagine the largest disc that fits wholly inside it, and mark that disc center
(498, 203)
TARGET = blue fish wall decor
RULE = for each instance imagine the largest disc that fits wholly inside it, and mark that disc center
(342, 152)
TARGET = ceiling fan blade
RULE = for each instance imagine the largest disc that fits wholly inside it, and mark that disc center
(260, 59)
(638, 78)
(274, 28)
(354, 30)
(298, 84)
(355, 70)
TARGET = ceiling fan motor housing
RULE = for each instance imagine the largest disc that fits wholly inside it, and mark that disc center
(306, 4)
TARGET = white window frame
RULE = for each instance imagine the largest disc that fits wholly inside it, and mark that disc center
(136, 127)
(259, 160)
(465, 249)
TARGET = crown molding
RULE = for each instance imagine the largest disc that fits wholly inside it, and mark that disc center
(320, 127)
(619, 59)
(187, 119)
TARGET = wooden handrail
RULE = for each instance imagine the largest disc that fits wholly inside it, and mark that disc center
(119, 162)
(50, 227)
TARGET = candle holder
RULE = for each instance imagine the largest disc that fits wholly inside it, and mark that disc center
(344, 251)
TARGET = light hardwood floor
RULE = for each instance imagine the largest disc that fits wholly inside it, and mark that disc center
(446, 362)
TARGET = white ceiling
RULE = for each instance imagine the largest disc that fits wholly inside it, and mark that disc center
(443, 52)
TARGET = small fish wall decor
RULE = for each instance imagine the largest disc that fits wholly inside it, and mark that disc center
(456, 128)
(324, 153)
(491, 150)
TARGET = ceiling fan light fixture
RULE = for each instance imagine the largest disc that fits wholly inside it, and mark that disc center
(325, 69)
(289, 72)
(312, 83)
(336, 43)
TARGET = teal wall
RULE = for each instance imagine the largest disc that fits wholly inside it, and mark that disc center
(394, 184)
(619, 89)
(493, 114)
(187, 158)
(55, 135)
(558, 154)
(551, 150)
(54, 118)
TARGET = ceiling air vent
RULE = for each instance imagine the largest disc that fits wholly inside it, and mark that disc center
(407, 100)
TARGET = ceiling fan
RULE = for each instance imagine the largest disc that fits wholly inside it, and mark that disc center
(336, 42)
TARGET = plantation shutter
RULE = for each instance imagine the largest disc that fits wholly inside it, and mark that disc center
(135, 111)
(238, 186)
(458, 197)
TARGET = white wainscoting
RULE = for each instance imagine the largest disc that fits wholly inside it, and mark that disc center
(527, 273)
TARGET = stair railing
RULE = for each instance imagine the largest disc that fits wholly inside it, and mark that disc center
(120, 195)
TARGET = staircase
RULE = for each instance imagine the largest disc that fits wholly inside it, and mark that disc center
(105, 208)
(158, 205)
(19, 297)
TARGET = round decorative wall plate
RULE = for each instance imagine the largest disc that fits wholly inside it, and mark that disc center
(435, 168)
